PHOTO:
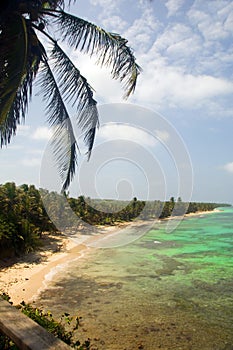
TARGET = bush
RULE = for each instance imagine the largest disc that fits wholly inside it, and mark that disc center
(46, 320)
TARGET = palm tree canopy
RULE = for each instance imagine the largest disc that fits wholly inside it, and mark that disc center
(23, 57)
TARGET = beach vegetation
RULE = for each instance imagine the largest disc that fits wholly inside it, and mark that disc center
(65, 328)
(23, 218)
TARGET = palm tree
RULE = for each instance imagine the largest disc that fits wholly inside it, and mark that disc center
(23, 56)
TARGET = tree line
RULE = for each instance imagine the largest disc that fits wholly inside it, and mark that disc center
(23, 217)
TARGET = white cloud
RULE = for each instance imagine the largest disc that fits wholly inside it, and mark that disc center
(200, 43)
(143, 30)
(182, 67)
(228, 167)
(15, 147)
(31, 162)
(162, 135)
(198, 88)
(221, 110)
(186, 48)
(165, 85)
(110, 9)
(35, 152)
(108, 5)
(228, 25)
(42, 133)
(127, 132)
(23, 130)
(114, 23)
(173, 6)
(173, 34)
(213, 19)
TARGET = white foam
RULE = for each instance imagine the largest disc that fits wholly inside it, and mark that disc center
(50, 275)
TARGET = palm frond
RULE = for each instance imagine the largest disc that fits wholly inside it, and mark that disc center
(111, 48)
(75, 88)
(65, 152)
(9, 125)
(14, 98)
(64, 143)
(13, 66)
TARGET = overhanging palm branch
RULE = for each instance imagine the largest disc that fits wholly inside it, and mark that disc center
(111, 48)
(18, 72)
(21, 55)
(76, 89)
(64, 142)
(13, 52)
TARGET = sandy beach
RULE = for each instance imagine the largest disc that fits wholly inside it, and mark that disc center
(23, 278)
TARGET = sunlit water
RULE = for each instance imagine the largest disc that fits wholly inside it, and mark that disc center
(176, 294)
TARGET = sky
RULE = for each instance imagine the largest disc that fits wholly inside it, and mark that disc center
(173, 137)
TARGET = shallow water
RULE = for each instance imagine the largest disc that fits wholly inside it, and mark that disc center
(164, 291)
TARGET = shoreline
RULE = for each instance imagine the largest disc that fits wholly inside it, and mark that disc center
(25, 277)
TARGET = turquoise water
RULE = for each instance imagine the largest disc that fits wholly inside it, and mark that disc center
(175, 294)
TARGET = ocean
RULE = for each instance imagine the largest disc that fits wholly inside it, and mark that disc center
(163, 291)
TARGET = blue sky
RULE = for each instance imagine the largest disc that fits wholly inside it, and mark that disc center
(186, 53)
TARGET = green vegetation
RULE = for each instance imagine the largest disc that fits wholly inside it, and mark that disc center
(23, 58)
(109, 212)
(63, 329)
(23, 217)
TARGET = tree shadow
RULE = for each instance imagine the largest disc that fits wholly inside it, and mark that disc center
(48, 244)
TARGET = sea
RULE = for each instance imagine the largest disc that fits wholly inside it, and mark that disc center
(166, 290)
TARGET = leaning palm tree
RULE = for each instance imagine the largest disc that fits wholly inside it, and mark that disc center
(23, 58)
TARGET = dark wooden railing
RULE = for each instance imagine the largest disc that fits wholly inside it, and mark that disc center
(26, 333)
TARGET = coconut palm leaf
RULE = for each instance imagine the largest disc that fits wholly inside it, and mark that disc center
(65, 152)
(13, 67)
(111, 49)
(64, 142)
(16, 92)
(75, 88)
